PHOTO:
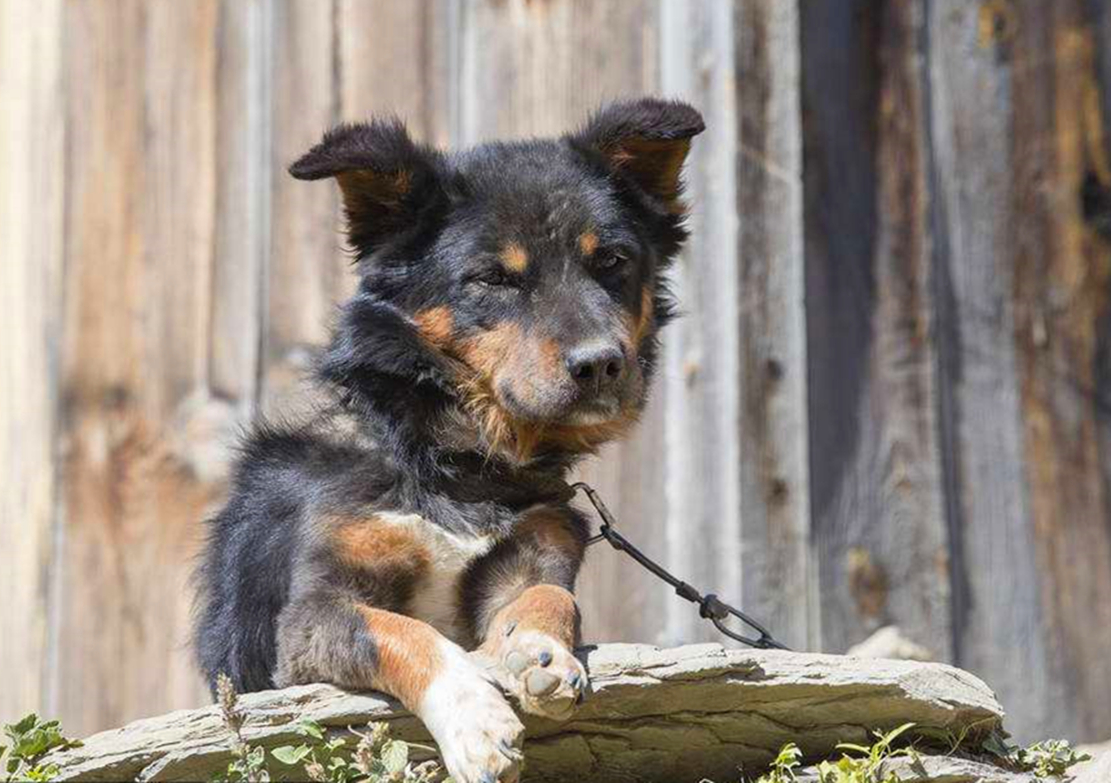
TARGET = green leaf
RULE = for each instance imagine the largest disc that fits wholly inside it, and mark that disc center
(310, 728)
(395, 755)
(23, 726)
(287, 754)
(851, 746)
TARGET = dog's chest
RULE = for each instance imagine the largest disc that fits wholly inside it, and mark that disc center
(441, 558)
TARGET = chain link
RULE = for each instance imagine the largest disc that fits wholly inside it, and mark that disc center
(710, 607)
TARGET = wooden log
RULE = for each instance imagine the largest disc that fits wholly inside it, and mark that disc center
(682, 714)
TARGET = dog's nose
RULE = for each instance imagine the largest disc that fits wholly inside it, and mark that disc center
(595, 366)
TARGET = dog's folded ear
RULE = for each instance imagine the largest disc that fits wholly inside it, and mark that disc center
(647, 140)
(385, 178)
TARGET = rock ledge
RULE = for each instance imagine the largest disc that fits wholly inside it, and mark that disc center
(681, 714)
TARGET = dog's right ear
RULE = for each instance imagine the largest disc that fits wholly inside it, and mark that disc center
(385, 178)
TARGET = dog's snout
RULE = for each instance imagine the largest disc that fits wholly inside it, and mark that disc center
(595, 366)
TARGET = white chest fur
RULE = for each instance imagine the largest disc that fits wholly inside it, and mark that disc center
(435, 598)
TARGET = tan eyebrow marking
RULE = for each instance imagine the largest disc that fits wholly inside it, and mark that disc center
(588, 242)
(514, 258)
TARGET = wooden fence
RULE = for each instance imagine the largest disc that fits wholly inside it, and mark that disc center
(889, 399)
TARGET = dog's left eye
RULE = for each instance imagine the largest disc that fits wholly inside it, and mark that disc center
(610, 260)
(494, 278)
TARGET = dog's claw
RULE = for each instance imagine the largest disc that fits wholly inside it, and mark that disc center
(545, 657)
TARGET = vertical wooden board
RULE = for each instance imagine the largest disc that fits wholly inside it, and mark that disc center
(997, 617)
(31, 210)
(1062, 284)
(878, 511)
(703, 351)
(140, 84)
(308, 271)
(776, 566)
(242, 207)
(527, 69)
(394, 59)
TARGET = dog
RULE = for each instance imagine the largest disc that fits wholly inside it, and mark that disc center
(505, 325)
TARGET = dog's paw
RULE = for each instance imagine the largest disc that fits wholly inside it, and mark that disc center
(542, 674)
(478, 733)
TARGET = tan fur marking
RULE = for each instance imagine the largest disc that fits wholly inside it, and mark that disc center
(514, 258)
(374, 542)
(545, 608)
(588, 242)
(386, 189)
(408, 654)
(436, 325)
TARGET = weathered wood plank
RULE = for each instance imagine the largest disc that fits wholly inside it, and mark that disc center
(777, 568)
(31, 212)
(394, 59)
(1062, 283)
(244, 181)
(540, 68)
(878, 508)
(140, 187)
(308, 271)
(997, 615)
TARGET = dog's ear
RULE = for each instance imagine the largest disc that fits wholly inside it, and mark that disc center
(385, 177)
(647, 140)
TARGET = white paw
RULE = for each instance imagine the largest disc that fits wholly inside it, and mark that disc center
(478, 733)
(545, 677)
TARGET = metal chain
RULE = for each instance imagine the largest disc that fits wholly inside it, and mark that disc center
(710, 606)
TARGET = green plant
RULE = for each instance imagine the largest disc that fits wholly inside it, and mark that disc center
(30, 740)
(783, 768)
(1046, 760)
(869, 766)
(374, 758)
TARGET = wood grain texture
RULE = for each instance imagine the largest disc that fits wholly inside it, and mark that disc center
(31, 213)
(778, 568)
(1063, 284)
(997, 616)
(308, 269)
(140, 188)
(878, 509)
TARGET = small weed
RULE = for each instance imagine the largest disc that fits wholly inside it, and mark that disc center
(1047, 760)
(783, 768)
(30, 740)
(372, 757)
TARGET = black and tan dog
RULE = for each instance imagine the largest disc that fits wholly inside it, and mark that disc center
(505, 325)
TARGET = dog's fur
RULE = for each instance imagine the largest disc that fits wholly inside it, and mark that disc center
(505, 325)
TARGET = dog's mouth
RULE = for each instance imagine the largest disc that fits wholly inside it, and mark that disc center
(559, 408)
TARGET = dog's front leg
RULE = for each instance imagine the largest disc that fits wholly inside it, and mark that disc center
(528, 620)
(328, 638)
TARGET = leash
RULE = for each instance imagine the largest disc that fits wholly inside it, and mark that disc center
(710, 607)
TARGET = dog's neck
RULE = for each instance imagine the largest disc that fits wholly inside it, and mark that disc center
(436, 444)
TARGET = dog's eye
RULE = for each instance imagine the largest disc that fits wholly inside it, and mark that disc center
(494, 278)
(610, 260)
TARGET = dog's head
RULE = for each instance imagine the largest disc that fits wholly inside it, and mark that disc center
(523, 279)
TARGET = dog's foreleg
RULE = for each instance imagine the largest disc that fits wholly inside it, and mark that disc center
(329, 638)
(529, 622)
